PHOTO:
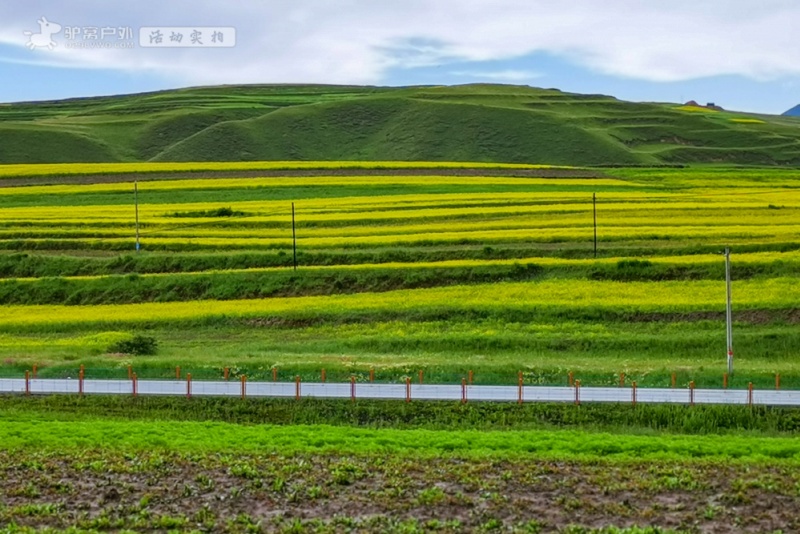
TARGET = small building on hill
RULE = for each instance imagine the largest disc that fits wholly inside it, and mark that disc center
(710, 105)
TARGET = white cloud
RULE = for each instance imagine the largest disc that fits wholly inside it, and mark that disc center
(358, 41)
(508, 75)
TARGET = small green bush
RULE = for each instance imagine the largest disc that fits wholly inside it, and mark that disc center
(218, 212)
(139, 345)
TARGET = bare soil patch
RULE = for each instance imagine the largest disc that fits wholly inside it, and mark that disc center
(235, 493)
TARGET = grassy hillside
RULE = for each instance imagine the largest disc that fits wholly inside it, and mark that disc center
(488, 123)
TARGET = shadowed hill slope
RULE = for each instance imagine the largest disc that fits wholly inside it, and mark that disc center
(491, 123)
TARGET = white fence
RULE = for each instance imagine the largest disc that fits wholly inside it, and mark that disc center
(404, 392)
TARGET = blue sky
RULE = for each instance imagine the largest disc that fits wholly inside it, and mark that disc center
(742, 57)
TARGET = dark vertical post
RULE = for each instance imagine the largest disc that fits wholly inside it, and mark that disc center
(294, 240)
(136, 208)
(594, 215)
(728, 310)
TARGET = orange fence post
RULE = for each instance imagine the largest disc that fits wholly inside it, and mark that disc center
(622, 380)
(463, 391)
(35, 367)
(470, 377)
(725, 380)
(27, 383)
(189, 385)
(244, 386)
(633, 392)
(323, 376)
(674, 380)
(353, 388)
(691, 393)
(408, 389)
(80, 381)
(372, 375)
(777, 381)
(420, 376)
(750, 394)
(578, 392)
(225, 374)
(297, 387)
(177, 372)
(519, 386)
(274, 374)
(135, 384)
(570, 379)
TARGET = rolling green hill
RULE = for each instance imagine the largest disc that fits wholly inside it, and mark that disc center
(491, 123)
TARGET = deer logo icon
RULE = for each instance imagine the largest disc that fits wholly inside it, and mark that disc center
(43, 39)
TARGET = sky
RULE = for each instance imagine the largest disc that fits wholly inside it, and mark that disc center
(741, 54)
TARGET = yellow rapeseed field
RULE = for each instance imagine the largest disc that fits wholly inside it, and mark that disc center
(640, 296)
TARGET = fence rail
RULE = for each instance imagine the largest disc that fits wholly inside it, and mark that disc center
(404, 392)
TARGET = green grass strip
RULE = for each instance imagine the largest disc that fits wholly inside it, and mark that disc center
(17, 433)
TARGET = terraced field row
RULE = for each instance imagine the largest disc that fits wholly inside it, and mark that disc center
(61, 220)
(491, 273)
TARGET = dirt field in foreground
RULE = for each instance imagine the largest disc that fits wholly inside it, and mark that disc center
(233, 493)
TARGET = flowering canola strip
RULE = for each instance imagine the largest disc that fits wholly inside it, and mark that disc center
(639, 296)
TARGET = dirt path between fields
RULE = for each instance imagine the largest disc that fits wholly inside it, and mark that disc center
(195, 175)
